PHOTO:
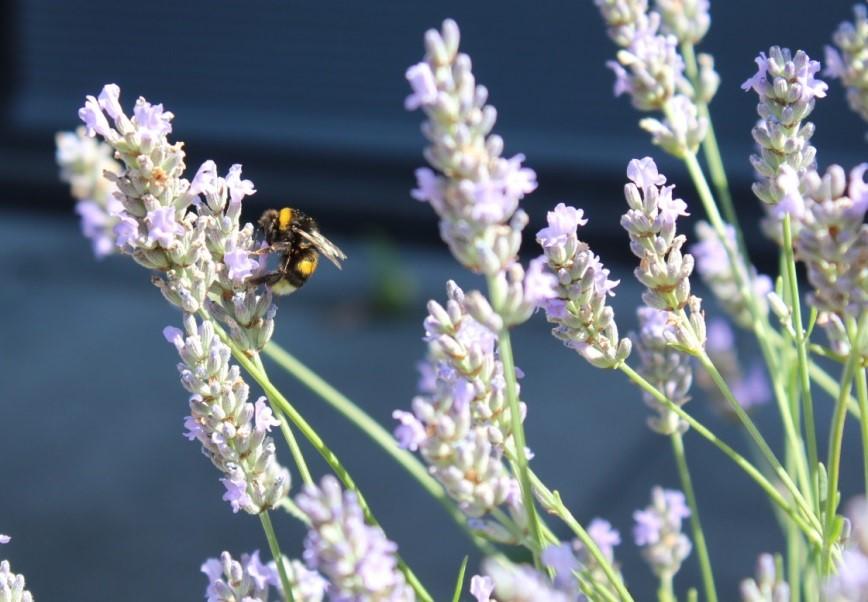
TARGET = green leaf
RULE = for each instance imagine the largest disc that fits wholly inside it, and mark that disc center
(459, 583)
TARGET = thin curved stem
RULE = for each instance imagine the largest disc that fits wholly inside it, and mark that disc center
(505, 350)
(276, 554)
(695, 523)
(374, 431)
(836, 438)
(807, 522)
(316, 441)
(289, 436)
(804, 377)
(552, 502)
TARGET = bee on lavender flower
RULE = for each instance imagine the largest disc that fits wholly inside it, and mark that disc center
(296, 237)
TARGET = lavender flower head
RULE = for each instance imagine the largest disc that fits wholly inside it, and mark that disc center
(474, 190)
(833, 240)
(663, 269)
(12, 586)
(188, 232)
(357, 558)
(460, 420)
(516, 583)
(233, 432)
(768, 586)
(650, 69)
(668, 369)
(722, 276)
(687, 20)
(82, 163)
(249, 580)
(583, 319)
(848, 61)
(850, 581)
(658, 531)
(787, 89)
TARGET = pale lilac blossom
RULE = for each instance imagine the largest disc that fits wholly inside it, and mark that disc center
(658, 532)
(847, 62)
(767, 586)
(4, 539)
(12, 586)
(481, 588)
(357, 559)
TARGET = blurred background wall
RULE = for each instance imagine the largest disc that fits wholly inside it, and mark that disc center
(105, 500)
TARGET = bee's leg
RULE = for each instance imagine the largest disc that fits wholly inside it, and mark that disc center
(269, 279)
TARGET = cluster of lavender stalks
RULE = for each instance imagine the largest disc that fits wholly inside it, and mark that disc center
(462, 437)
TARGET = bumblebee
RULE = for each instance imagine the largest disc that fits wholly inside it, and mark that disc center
(296, 237)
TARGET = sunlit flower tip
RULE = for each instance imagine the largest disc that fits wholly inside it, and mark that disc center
(847, 61)
(562, 224)
(683, 129)
(109, 100)
(238, 188)
(5, 538)
(12, 585)
(152, 119)
(163, 227)
(265, 418)
(687, 20)
(410, 433)
(767, 586)
(643, 172)
(481, 588)
(94, 119)
(424, 87)
(247, 579)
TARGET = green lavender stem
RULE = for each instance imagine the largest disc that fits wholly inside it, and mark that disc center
(505, 349)
(836, 438)
(291, 441)
(802, 516)
(552, 502)
(373, 430)
(711, 149)
(316, 441)
(695, 524)
(862, 392)
(759, 322)
(804, 377)
(275, 553)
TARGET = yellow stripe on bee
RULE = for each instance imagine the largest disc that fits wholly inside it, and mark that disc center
(284, 218)
(305, 267)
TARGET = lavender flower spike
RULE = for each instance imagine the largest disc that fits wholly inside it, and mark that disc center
(668, 369)
(249, 580)
(583, 319)
(516, 583)
(82, 163)
(233, 432)
(687, 20)
(461, 421)
(658, 531)
(787, 91)
(833, 244)
(847, 62)
(357, 559)
(664, 269)
(474, 190)
(719, 274)
(768, 586)
(12, 586)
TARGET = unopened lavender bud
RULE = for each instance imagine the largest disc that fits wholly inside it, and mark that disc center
(12, 586)
(779, 307)
(681, 133)
(687, 20)
(479, 307)
(709, 80)
(768, 586)
(516, 583)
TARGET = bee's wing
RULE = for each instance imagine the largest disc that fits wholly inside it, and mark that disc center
(328, 249)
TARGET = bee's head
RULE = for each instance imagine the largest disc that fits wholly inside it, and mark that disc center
(268, 223)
